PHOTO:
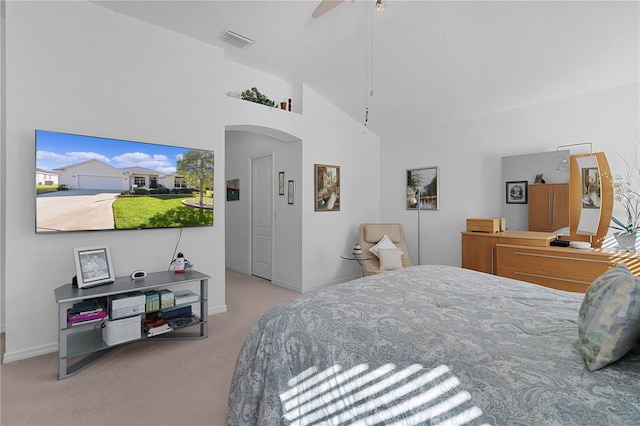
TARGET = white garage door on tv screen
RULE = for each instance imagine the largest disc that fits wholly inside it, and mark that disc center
(89, 183)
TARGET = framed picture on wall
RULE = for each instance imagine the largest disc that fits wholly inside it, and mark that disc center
(93, 266)
(422, 187)
(327, 188)
(281, 183)
(233, 190)
(291, 191)
(517, 192)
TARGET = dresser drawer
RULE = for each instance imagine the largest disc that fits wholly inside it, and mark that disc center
(572, 262)
(547, 279)
(561, 268)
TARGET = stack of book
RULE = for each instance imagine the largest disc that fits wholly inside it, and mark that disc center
(155, 325)
(85, 312)
(166, 299)
(152, 301)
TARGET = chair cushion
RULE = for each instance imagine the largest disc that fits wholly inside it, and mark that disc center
(375, 232)
(390, 258)
(385, 242)
(609, 317)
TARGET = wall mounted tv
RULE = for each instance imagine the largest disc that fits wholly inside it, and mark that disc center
(88, 183)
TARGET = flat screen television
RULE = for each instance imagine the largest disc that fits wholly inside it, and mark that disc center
(89, 183)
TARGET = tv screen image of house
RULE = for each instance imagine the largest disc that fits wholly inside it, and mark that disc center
(89, 183)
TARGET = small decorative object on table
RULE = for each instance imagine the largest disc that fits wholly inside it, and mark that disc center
(179, 264)
(357, 250)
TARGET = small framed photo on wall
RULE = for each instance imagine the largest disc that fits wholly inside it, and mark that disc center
(291, 191)
(233, 190)
(517, 192)
(281, 183)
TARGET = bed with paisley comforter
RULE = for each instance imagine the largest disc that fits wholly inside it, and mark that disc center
(429, 345)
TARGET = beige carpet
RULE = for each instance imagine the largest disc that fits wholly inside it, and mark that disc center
(144, 383)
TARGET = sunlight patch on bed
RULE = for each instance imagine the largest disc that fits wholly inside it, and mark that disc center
(361, 397)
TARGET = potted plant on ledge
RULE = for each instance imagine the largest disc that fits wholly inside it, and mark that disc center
(254, 95)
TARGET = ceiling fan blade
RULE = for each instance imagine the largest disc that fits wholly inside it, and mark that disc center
(325, 6)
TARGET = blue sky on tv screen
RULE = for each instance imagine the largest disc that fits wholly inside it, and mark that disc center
(55, 150)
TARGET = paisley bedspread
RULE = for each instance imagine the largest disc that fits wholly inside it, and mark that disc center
(428, 345)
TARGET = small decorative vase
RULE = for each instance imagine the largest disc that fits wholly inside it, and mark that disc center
(357, 250)
(626, 240)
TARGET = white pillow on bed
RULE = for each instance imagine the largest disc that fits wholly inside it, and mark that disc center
(390, 258)
(384, 243)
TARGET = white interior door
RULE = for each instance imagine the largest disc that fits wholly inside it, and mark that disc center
(261, 217)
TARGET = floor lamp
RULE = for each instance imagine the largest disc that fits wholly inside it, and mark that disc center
(415, 199)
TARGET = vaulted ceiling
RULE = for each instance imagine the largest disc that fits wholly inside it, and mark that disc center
(421, 62)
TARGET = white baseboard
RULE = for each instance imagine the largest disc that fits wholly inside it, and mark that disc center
(286, 285)
(217, 309)
(30, 352)
(239, 270)
(329, 284)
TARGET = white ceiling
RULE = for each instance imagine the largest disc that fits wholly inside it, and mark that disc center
(431, 62)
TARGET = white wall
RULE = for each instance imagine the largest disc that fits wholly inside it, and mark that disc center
(326, 135)
(469, 154)
(79, 68)
(241, 78)
(241, 147)
(3, 157)
(330, 137)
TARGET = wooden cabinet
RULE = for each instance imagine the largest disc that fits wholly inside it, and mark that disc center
(478, 251)
(548, 207)
(559, 267)
(479, 248)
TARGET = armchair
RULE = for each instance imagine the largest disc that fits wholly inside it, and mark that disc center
(369, 234)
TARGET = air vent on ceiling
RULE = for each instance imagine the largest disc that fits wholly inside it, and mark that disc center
(235, 39)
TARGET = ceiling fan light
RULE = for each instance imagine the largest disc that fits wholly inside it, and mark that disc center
(379, 5)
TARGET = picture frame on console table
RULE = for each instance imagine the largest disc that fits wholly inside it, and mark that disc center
(517, 192)
(93, 266)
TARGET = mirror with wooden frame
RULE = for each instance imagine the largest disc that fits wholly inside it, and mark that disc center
(591, 198)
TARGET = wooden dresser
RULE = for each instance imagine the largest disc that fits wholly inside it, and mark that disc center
(559, 267)
(479, 248)
(527, 256)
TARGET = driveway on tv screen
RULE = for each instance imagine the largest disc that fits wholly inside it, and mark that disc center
(75, 210)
